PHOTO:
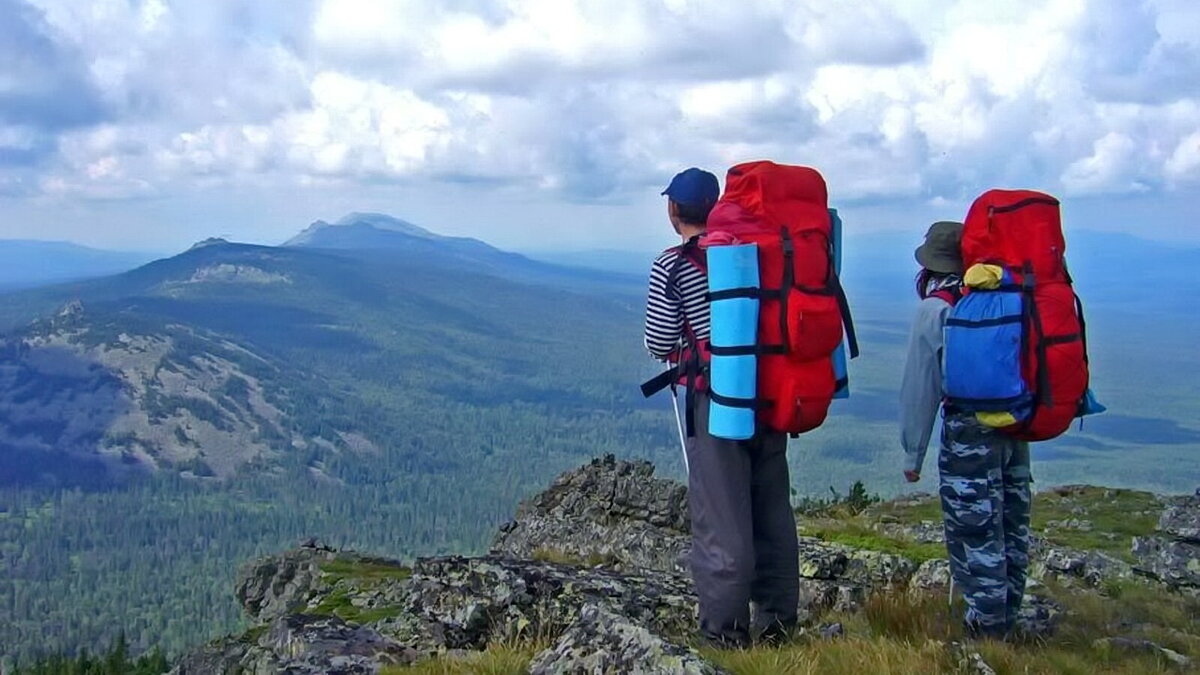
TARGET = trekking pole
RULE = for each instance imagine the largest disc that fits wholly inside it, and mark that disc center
(687, 470)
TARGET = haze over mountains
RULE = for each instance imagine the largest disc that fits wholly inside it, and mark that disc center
(163, 423)
(28, 263)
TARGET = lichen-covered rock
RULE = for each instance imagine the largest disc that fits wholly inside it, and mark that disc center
(1181, 519)
(477, 600)
(1176, 563)
(228, 656)
(277, 585)
(601, 641)
(305, 644)
(835, 562)
(1093, 567)
(932, 577)
(609, 511)
(924, 532)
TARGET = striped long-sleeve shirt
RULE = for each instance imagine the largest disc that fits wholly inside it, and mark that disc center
(668, 310)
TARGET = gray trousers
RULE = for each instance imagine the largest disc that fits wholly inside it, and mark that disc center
(744, 544)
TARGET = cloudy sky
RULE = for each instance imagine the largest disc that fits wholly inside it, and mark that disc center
(555, 123)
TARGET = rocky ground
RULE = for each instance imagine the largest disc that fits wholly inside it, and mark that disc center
(589, 578)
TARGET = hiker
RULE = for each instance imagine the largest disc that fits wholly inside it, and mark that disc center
(744, 546)
(984, 473)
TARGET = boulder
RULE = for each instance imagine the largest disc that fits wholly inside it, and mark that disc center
(1181, 519)
(932, 577)
(601, 641)
(1092, 567)
(473, 601)
(277, 585)
(1173, 562)
(610, 512)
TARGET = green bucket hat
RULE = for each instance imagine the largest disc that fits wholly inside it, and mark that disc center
(942, 251)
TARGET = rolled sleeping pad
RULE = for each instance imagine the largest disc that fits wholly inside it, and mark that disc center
(734, 324)
(841, 373)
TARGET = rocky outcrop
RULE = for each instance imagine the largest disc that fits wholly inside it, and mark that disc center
(1173, 555)
(602, 641)
(607, 512)
(594, 566)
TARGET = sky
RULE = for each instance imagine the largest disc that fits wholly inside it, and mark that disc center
(555, 124)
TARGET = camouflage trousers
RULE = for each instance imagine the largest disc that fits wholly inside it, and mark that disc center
(985, 494)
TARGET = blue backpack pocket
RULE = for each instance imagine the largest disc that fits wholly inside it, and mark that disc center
(983, 352)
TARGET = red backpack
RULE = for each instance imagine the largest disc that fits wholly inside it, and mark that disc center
(1021, 231)
(784, 210)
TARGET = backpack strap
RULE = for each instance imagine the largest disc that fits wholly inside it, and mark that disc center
(690, 366)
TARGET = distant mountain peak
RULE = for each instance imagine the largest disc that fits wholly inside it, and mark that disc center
(211, 241)
(360, 220)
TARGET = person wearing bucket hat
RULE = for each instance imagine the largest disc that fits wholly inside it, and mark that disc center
(940, 253)
(986, 520)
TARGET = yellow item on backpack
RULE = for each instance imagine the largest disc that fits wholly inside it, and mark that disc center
(986, 277)
(996, 419)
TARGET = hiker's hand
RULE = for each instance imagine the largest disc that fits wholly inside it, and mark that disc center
(912, 476)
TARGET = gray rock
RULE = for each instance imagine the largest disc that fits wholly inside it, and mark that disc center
(601, 641)
(275, 586)
(924, 532)
(1181, 519)
(1173, 562)
(1092, 567)
(832, 631)
(473, 601)
(610, 512)
(306, 644)
(228, 656)
(1139, 645)
(932, 577)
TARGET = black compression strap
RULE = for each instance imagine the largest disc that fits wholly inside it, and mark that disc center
(1062, 339)
(841, 384)
(1043, 374)
(730, 402)
(745, 292)
(1082, 326)
(985, 323)
(1048, 201)
(847, 318)
(748, 350)
(661, 381)
(789, 279)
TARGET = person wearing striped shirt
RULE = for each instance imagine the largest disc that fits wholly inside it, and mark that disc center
(744, 545)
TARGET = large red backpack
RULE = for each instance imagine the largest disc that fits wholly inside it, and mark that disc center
(784, 210)
(1021, 231)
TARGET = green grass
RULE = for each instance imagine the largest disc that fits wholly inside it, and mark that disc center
(858, 535)
(342, 568)
(562, 558)
(1124, 513)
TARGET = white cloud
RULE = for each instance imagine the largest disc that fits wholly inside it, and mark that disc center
(568, 101)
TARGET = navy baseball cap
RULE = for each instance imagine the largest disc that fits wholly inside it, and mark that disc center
(694, 187)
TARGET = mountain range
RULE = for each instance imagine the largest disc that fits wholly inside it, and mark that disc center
(391, 389)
